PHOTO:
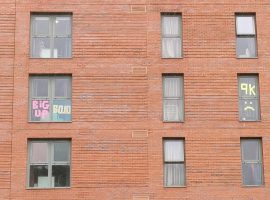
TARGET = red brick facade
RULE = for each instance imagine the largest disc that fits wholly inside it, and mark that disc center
(117, 125)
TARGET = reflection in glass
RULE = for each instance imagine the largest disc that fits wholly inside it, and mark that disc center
(39, 176)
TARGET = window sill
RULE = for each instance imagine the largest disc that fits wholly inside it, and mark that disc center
(53, 188)
(172, 58)
(173, 121)
(249, 121)
(49, 122)
(253, 186)
(171, 187)
(247, 58)
(50, 58)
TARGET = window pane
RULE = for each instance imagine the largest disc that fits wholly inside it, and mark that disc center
(245, 25)
(251, 150)
(62, 110)
(62, 47)
(249, 109)
(173, 110)
(41, 48)
(173, 150)
(174, 175)
(39, 152)
(40, 110)
(61, 175)
(246, 47)
(39, 176)
(173, 87)
(41, 26)
(248, 86)
(171, 47)
(62, 26)
(252, 174)
(61, 151)
(62, 87)
(40, 87)
(171, 25)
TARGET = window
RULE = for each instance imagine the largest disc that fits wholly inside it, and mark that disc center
(251, 152)
(246, 36)
(174, 162)
(171, 36)
(173, 100)
(50, 36)
(48, 163)
(249, 108)
(50, 98)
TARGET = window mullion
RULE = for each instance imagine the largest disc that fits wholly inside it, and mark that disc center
(52, 18)
(50, 163)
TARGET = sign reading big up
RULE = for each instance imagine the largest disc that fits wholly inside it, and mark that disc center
(40, 110)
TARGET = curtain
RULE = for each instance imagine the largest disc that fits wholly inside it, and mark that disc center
(252, 173)
(171, 37)
(174, 150)
(174, 174)
(172, 107)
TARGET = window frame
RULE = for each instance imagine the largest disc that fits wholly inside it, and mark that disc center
(51, 162)
(253, 36)
(52, 35)
(260, 148)
(180, 99)
(51, 97)
(174, 162)
(180, 28)
(249, 98)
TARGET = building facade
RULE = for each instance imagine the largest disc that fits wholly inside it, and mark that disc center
(139, 100)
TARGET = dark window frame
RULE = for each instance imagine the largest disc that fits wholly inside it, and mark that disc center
(174, 162)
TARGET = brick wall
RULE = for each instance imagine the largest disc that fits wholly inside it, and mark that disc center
(117, 126)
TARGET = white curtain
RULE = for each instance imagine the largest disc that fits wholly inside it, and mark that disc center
(174, 150)
(172, 87)
(171, 42)
(174, 174)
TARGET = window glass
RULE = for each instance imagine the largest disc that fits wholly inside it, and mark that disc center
(62, 47)
(245, 25)
(41, 48)
(252, 170)
(174, 150)
(174, 165)
(251, 150)
(50, 98)
(49, 164)
(249, 108)
(171, 36)
(51, 36)
(246, 47)
(41, 26)
(62, 26)
(39, 153)
(173, 104)
(61, 151)
(62, 87)
(41, 87)
(39, 176)
(171, 25)
(61, 175)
